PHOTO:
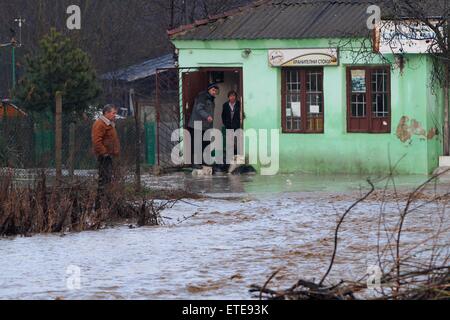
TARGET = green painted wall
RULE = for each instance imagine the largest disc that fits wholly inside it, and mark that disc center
(335, 151)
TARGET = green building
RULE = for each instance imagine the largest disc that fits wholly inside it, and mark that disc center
(307, 69)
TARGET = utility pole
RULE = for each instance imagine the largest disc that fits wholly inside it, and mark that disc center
(20, 22)
(13, 63)
(16, 44)
(13, 57)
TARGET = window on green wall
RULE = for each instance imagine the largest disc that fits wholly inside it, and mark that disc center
(369, 99)
(302, 100)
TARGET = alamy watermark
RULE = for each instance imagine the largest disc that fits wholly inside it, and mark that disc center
(374, 278)
(74, 20)
(263, 147)
(375, 16)
(73, 280)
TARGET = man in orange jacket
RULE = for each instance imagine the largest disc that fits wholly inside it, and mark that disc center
(106, 145)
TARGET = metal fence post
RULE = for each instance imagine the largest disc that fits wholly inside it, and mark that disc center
(72, 150)
(58, 135)
(138, 145)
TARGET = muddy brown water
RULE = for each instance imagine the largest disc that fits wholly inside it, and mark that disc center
(245, 229)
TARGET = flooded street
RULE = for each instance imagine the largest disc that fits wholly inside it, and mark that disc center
(215, 248)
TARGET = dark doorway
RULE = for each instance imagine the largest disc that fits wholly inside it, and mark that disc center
(169, 98)
(195, 82)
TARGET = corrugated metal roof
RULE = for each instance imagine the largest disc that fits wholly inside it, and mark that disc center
(141, 71)
(284, 19)
(289, 19)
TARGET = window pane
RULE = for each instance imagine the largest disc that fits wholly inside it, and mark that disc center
(293, 100)
(380, 106)
(314, 100)
(379, 80)
(358, 105)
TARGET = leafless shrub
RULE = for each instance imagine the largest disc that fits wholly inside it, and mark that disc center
(70, 207)
(410, 270)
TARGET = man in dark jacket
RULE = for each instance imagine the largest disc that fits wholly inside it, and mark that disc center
(232, 120)
(202, 114)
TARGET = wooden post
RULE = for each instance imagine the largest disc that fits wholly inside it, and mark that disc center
(137, 117)
(58, 136)
(72, 150)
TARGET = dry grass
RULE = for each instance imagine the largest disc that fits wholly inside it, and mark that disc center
(70, 207)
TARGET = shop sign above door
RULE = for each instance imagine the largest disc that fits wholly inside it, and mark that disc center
(303, 57)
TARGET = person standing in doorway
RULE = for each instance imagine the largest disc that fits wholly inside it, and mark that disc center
(106, 145)
(232, 118)
(203, 116)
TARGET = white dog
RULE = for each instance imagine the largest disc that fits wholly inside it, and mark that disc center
(205, 172)
(236, 163)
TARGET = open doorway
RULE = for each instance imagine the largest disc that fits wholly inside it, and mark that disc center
(229, 80)
(194, 82)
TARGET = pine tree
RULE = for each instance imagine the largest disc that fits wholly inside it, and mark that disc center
(58, 66)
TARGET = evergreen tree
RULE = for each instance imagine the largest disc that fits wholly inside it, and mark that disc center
(58, 66)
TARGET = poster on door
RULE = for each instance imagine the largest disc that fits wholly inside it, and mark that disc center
(359, 81)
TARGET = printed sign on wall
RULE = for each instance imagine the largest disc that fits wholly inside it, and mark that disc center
(405, 37)
(303, 57)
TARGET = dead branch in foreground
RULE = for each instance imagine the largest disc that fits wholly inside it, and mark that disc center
(403, 275)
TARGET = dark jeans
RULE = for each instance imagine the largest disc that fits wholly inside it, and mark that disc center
(193, 132)
(105, 173)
